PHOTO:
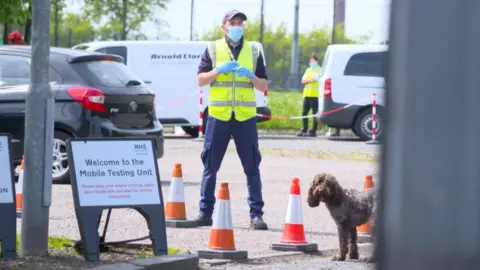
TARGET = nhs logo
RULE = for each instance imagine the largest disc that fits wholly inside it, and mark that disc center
(140, 147)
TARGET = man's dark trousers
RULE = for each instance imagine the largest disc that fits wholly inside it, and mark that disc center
(217, 137)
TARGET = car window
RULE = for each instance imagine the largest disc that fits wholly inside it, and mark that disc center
(120, 50)
(106, 73)
(81, 47)
(15, 70)
(370, 64)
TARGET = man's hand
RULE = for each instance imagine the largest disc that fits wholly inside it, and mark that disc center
(227, 67)
(244, 72)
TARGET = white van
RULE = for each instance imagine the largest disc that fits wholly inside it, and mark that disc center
(351, 74)
(170, 68)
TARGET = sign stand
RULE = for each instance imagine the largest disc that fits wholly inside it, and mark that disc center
(8, 209)
(115, 173)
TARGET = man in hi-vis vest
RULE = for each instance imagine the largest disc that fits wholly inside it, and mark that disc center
(310, 96)
(232, 67)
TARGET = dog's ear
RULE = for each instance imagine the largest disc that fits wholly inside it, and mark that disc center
(311, 199)
(336, 191)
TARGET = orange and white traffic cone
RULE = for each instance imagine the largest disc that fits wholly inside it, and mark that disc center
(175, 212)
(19, 189)
(293, 237)
(364, 229)
(221, 244)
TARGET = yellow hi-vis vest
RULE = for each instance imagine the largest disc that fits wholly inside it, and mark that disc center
(230, 93)
(311, 89)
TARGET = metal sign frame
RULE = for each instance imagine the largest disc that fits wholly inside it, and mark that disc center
(8, 212)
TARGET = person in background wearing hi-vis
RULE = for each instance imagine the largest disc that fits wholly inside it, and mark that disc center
(232, 67)
(310, 96)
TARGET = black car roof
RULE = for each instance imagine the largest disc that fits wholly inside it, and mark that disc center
(55, 50)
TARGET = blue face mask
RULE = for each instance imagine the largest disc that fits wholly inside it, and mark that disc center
(235, 33)
(313, 64)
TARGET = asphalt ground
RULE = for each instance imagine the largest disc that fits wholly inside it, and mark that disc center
(284, 157)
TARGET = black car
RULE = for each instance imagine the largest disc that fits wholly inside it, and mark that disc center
(96, 95)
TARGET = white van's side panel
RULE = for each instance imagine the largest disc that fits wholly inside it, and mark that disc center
(172, 69)
(355, 90)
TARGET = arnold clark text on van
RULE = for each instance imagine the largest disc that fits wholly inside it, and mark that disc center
(175, 56)
(97, 172)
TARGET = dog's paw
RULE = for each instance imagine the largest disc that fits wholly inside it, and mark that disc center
(338, 258)
(353, 256)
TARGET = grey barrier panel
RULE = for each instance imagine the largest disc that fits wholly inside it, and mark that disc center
(430, 204)
(88, 212)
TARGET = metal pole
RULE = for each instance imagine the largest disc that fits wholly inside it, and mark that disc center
(34, 232)
(334, 21)
(192, 17)
(294, 59)
(262, 20)
(430, 206)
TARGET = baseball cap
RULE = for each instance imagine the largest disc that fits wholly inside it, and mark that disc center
(233, 13)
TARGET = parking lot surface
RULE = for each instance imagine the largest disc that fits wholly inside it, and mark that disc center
(278, 167)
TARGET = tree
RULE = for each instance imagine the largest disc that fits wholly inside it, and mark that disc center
(277, 44)
(57, 7)
(73, 30)
(123, 17)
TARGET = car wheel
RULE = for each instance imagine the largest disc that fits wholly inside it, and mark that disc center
(60, 168)
(192, 131)
(363, 124)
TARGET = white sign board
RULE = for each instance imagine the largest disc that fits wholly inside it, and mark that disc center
(6, 194)
(115, 173)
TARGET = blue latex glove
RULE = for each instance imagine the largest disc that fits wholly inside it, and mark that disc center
(227, 67)
(244, 72)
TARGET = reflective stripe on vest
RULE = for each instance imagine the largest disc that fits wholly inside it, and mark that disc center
(229, 84)
(236, 103)
(230, 93)
(311, 89)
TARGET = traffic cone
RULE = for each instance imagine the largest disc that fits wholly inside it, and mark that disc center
(367, 184)
(363, 230)
(175, 213)
(293, 237)
(19, 189)
(221, 244)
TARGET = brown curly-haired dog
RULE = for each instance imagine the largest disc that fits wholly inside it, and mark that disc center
(349, 208)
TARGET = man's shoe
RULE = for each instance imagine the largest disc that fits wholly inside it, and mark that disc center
(257, 223)
(301, 133)
(204, 220)
(311, 133)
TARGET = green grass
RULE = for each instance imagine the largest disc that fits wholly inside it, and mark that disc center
(147, 253)
(321, 154)
(54, 243)
(59, 243)
(285, 104)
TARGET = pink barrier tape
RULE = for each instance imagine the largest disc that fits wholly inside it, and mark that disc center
(278, 117)
(200, 116)
(178, 100)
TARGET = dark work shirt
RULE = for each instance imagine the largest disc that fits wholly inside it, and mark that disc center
(206, 61)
